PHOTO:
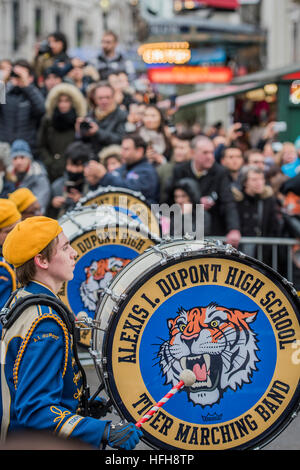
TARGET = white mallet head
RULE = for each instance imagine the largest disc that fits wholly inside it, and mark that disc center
(188, 377)
(82, 316)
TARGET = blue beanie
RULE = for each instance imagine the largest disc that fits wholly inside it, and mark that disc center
(20, 148)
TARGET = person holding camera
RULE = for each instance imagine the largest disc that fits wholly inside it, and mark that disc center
(25, 106)
(214, 186)
(105, 124)
(136, 173)
(64, 104)
(70, 187)
(51, 51)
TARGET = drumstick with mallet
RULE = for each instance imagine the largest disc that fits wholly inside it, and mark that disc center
(187, 379)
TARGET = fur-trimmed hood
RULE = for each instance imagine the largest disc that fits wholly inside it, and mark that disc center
(78, 100)
(240, 195)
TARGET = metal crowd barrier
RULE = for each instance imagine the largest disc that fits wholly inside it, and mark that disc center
(275, 243)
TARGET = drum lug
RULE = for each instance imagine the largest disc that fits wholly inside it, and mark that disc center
(188, 237)
(96, 356)
(115, 297)
(103, 367)
(230, 250)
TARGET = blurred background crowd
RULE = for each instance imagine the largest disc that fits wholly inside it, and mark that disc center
(69, 126)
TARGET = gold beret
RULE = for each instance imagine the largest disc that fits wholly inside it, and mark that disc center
(9, 213)
(28, 238)
(23, 198)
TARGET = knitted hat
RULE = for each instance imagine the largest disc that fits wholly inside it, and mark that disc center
(20, 148)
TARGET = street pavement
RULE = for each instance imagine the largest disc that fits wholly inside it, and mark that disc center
(289, 439)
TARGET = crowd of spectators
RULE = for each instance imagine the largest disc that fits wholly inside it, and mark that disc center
(70, 126)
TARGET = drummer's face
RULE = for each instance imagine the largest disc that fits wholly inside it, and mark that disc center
(62, 263)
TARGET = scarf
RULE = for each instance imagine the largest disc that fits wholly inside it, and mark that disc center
(63, 121)
(100, 115)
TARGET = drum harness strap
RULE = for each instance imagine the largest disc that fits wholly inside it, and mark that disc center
(9, 314)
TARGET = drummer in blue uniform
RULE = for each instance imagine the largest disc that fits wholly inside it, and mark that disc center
(9, 217)
(43, 384)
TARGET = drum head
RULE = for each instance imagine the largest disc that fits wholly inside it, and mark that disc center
(132, 203)
(103, 250)
(231, 320)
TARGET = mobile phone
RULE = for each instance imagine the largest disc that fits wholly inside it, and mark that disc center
(245, 127)
(277, 146)
(280, 126)
(173, 101)
(13, 74)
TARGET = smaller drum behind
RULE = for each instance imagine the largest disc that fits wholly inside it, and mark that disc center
(132, 203)
(105, 241)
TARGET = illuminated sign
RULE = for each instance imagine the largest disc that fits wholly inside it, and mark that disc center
(189, 75)
(165, 53)
(196, 4)
(295, 92)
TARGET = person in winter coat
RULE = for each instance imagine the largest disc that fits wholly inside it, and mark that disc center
(257, 208)
(136, 173)
(6, 183)
(50, 52)
(80, 76)
(29, 173)
(190, 219)
(64, 104)
(25, 106)
(110, 59)
(153, 132)
(69, 188)
(214, 186)
(105, 123)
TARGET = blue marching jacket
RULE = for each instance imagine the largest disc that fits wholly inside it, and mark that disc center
(41, 384)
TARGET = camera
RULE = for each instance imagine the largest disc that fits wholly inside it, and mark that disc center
(44, 48)
(78, 185)
(85, 126)
(13, 74)
(245, 127)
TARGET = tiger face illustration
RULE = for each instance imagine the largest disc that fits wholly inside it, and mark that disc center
(217, 344)
(98, 275)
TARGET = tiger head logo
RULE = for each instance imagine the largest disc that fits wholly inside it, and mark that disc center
(98, 276)
(217, 344)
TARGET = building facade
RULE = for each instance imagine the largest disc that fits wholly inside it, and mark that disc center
(23, 23)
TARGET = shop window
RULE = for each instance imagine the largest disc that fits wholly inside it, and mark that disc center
(58, 22)
(79, 32)
(16, 24)
(38, 22)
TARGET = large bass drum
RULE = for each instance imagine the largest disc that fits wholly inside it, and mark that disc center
(206, 307)
(132, 203)
(105, 240)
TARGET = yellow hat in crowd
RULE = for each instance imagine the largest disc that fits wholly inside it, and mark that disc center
(23, 198)
(9, 213)
(28, 238)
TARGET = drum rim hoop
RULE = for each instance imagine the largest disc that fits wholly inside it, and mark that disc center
(292, 407)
